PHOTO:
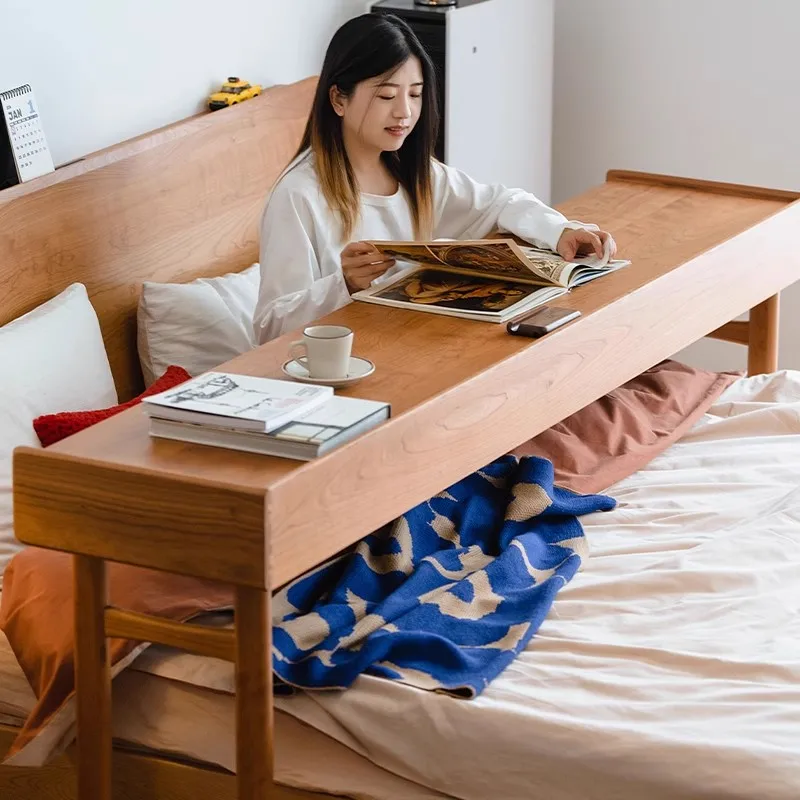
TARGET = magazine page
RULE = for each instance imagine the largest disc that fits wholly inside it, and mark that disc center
(497, 257)
(502, 258)
(570, 273)
(454, 293)
(549, 265)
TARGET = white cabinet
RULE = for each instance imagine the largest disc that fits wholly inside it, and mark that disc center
(495, 61)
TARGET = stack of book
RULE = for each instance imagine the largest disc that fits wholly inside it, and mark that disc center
(261, 415)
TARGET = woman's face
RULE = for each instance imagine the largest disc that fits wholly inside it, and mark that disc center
(382, 111)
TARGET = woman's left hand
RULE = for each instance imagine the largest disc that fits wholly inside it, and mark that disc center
(580, 242)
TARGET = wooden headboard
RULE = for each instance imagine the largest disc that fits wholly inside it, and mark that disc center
(173, 205)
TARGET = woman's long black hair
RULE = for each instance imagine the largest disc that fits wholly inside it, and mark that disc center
(369, 46)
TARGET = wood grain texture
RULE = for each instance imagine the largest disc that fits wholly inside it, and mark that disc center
(56, 781)
(492, 410)
(138, 517)
(762, 354)
(92, 680)
(254, 709)
(718, 187)
(134, 777)
(737, 331)
(198, 639)
(173, 205)
(686, 246)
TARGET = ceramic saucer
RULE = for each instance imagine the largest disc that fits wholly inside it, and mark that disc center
(359, 368)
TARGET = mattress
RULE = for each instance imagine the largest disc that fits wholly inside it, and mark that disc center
(668, 668)
(156, 715)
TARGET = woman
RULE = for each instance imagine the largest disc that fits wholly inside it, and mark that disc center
(365, 170)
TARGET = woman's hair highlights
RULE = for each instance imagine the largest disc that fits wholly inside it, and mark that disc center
(366, 47)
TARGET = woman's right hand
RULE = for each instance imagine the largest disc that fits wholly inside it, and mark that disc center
(362, 263)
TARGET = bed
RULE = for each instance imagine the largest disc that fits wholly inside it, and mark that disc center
(215, 171)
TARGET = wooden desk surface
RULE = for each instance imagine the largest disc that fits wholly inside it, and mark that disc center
(462, 393)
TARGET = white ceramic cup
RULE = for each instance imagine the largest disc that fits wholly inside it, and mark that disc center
(324, 350)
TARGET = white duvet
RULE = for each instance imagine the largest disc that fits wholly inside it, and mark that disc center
(668, 668)
(670, 665)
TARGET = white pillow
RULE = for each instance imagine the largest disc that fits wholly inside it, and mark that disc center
(52, 359)
(197, 325)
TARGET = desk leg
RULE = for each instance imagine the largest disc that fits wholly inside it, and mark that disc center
(92, 680)
(762, 346)
(254, 713)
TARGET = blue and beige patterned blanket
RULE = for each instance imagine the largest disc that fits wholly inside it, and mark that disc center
(446, 596)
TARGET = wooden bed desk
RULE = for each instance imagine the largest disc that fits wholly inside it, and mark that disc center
(462, 394)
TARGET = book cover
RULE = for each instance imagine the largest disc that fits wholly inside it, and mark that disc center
(241, 401)
(328, 421)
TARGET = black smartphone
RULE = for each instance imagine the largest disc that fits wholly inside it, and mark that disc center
(540, 321)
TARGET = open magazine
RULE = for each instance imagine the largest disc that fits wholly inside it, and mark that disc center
(487, 279)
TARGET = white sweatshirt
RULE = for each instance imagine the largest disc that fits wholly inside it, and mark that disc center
(301, 245)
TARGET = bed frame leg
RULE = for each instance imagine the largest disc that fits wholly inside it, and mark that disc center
(762, 349)
(92, 680)
(254, 712)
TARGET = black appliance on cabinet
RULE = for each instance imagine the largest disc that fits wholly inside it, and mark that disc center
(429, 23)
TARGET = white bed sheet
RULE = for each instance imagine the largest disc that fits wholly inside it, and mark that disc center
(669, 667)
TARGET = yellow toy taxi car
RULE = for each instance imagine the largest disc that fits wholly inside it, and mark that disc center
(233, 91)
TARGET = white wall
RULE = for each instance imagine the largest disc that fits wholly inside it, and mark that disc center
(106, 70)
(702, 88)
(499, 110)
